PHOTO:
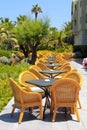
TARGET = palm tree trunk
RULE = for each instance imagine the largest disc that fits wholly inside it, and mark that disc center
(36, 16)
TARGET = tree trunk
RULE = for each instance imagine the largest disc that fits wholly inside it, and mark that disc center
(25, 50)
(34, 55)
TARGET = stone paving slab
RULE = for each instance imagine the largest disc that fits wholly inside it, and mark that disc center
(33, 122)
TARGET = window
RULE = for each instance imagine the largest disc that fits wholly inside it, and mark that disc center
(75, 22)
(80, 20)
(72, 9)
(72, 24)
(75, 7)
(85, 2)
(86, 18)
(80, 3)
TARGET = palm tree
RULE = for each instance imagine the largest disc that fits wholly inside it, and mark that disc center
(69, 38)
(21, 19)
(36, 9)
(67, 28)
(7, 35)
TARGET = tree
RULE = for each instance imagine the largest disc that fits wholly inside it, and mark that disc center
(53, 36)
(7, 36)
(21, 19)
(30, 34)
(69, 38)
(36, 9)
(56, 36)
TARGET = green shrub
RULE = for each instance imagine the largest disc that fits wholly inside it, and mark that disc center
(65, 48)
(5, 53)
(7, 71)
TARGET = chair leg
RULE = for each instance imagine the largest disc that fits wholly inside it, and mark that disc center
(21, 116)
(41, 112)
(54, 114)
(13, 110)
(51, 108)
(72, 110)
(79, 103)
(77, 113)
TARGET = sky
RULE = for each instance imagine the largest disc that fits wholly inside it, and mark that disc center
(58, 11)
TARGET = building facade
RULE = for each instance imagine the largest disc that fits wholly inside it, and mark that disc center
(79, 21)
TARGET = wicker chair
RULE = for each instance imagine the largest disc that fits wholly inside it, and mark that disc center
(67, 68)
(37, 73)
(64, 93)
(24, 99)
(64, 63)
(76, 76)
(26, 75)
(42, 66)
(35, 67)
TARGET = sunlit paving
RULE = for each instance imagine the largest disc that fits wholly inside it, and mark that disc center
(63, 120)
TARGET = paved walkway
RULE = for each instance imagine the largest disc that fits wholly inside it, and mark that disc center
(32, 122)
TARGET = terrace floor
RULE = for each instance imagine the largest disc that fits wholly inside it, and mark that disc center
(32, 122)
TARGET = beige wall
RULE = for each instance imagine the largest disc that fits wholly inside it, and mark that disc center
(79, 9)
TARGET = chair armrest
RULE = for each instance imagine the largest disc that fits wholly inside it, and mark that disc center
(26, 89)
(31, 96)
